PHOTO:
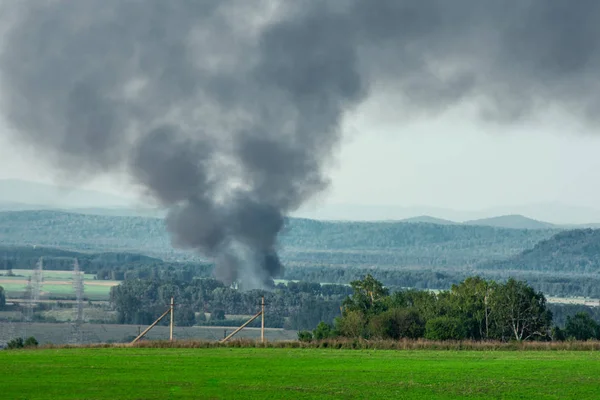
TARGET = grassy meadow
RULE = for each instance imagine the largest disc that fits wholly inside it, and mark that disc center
(261, 373)
(56, 285)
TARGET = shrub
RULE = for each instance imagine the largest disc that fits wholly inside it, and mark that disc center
(217, 315)
(323, 331)
(397, 323)
(582, 327)
(16, 343)
(352, 324)
(558, 334)
(445, 328)
(31, 342)
(305, 336)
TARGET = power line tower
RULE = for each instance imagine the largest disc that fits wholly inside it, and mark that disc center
(37, 280)
(78, 287)
(32, 294)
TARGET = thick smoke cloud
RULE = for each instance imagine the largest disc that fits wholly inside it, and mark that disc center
(226, 111)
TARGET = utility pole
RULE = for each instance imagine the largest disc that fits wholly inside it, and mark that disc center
(262, 325)
(170, 310)
(172, 319)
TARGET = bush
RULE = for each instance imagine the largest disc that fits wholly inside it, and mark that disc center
(397, 323)
(217, 315)
(352, 324)
(582, 327)
(445, 328)
(16, 343)
(323, 331)
(305, 336)
(558, 334)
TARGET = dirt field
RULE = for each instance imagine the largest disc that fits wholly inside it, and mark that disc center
(59, 333)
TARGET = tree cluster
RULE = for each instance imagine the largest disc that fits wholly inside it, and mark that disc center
(297, 305)
(474, 309)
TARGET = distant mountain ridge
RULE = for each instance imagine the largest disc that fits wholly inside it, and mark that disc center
(555, 213)
(303, 241)
(574, 251)
(513, 222)
(24, 193)
(19, 195)
(426, 219)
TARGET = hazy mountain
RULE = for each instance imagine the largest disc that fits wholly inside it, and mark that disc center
(363, 212)
(554, 213)
(575, 251)
(23, 194)
(426, 219)
(303, 241)
(511, 221)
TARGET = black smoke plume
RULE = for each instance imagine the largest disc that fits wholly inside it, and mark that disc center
(226, 111)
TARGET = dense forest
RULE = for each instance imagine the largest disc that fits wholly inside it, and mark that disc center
(575, 251)
(303, 242)
(475, 308)
(293, 306)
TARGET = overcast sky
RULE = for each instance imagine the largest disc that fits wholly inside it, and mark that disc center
(532, 58)
(451, 161)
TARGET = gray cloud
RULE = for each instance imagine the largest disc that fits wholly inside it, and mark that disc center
(228, 119)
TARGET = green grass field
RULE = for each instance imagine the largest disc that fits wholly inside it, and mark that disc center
(242, 373)
(56, 285)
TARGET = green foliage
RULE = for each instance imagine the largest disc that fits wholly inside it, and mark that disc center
(296, 306)
(217, 315)
(519, 311)
(397, 323)
(323, 331)
(305, 336)
(582, 327)
(16, 343)
(558, 334)
(474, 309)
(367, 297)
(184, 316)
(352, 324)
(445, 328)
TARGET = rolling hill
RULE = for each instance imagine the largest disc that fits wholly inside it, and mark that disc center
(426, 219)
(569, 252)
(25, 194)
(513, 222)
(303, 241)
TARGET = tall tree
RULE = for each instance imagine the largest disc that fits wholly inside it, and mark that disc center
(520, 311)
(368, 296)
(471, 300)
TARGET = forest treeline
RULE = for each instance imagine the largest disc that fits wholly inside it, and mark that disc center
(475, 309)
(125, 266)
(297, 305)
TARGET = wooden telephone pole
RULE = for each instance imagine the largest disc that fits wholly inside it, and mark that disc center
(262, 327)
(172, 320)
(262, 322)
(171, 311)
